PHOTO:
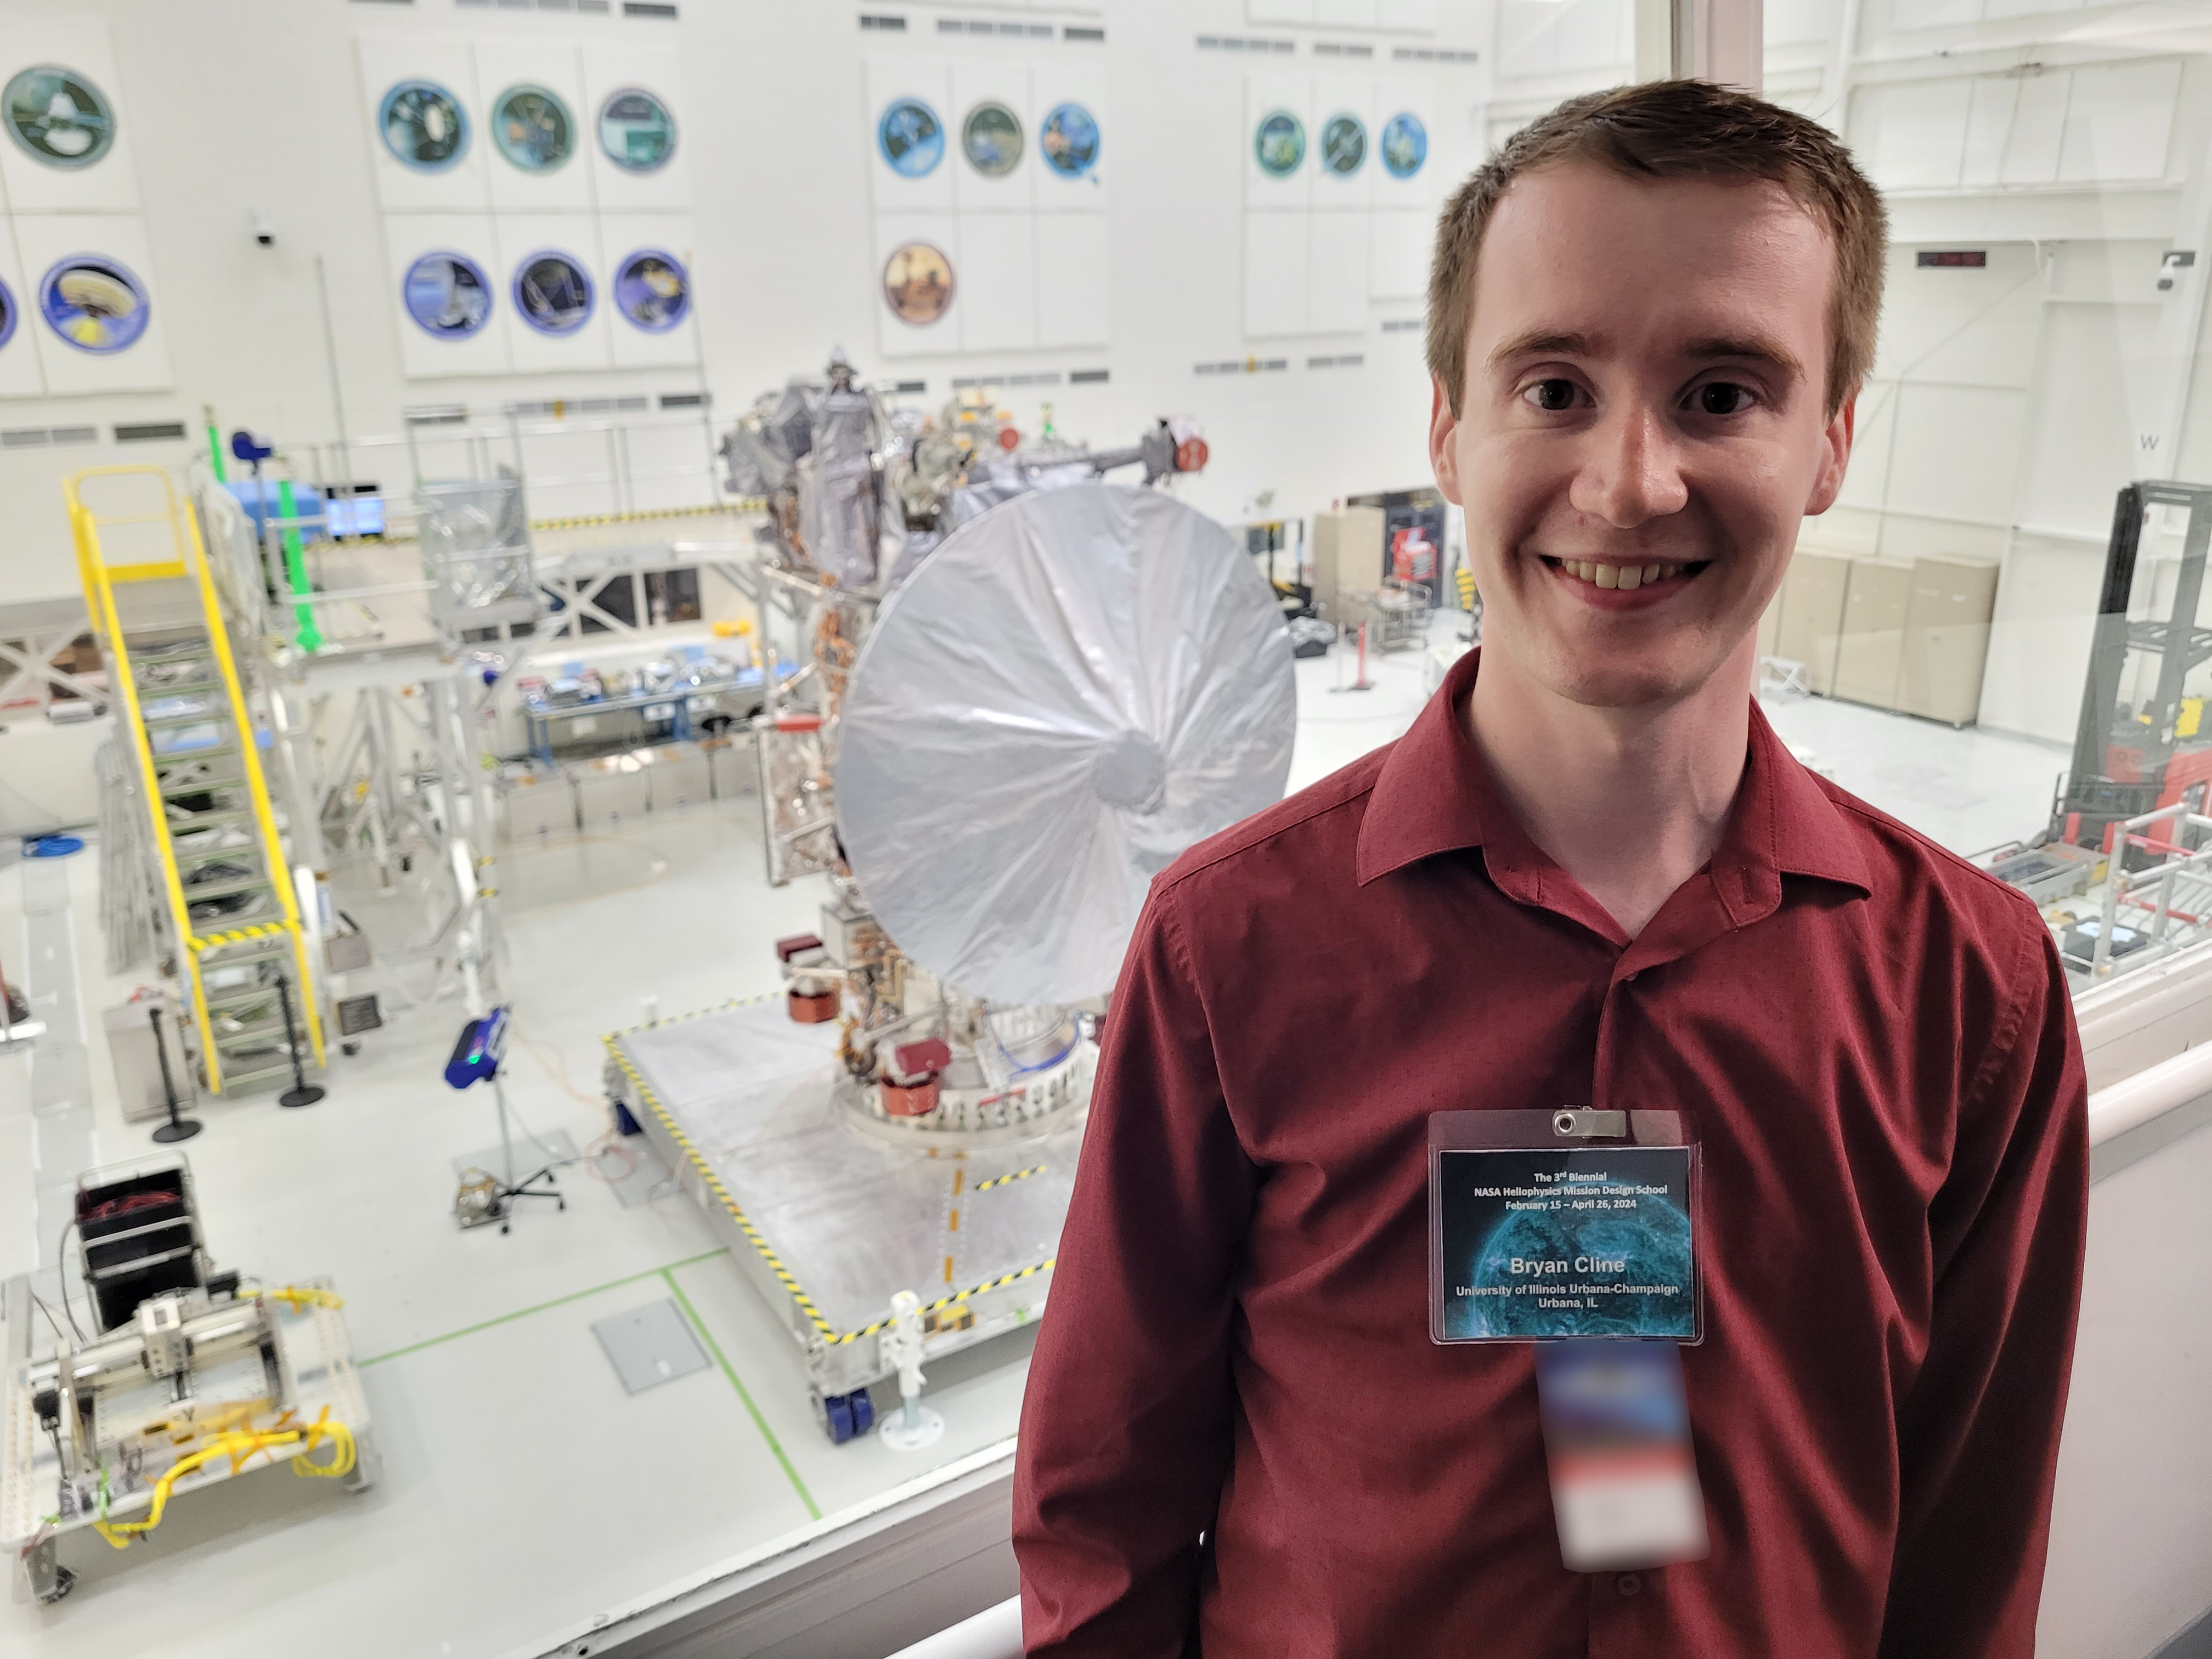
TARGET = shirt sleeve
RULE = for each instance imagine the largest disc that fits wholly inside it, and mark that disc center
(1126, 1428)
(1978, 1437)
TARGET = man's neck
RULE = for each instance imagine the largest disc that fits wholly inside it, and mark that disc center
(1629, 802)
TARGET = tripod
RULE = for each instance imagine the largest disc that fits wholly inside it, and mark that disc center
(498, 1203)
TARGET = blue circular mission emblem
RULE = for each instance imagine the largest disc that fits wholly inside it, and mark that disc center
(423, 127)
(1069, 140)
(1278, 144)
(58, 116)
(911, 137)
(95, 303)
(1405, 144)
(1343, 144)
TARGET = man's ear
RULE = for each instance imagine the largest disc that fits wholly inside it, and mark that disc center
(1836, 440)
(1444, 425)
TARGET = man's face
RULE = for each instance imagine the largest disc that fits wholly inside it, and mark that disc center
(1643, 423)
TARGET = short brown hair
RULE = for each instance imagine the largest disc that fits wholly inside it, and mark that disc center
(1676, 130)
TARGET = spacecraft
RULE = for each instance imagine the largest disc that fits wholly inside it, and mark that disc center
(1026, 691)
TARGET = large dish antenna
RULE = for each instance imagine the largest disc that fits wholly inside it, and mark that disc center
(1068, 693)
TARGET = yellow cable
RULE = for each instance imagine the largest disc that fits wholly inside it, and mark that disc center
(239, 1445)
(295, 1298)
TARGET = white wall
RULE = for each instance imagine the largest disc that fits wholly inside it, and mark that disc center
(2009, 404)
(775, 134)
(2130, 1560)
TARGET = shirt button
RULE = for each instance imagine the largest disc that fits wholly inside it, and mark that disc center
(1628, 1583)
(1632, 975)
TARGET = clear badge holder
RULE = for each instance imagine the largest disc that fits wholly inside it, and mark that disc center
(1558, 1225)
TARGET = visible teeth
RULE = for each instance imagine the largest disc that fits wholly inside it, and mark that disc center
(1626, 577)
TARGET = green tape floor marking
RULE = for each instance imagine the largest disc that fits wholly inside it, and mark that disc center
(729, 1371)
(524, 1313)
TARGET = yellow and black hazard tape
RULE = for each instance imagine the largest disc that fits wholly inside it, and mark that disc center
(1003, 1279)
(784, 1277)
(722, 1194)
(741, 504)
(234, 936)
(697, 1013)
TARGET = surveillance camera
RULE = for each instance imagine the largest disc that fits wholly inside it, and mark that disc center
(264, 232)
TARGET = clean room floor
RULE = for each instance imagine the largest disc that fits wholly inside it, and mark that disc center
(523, 1492)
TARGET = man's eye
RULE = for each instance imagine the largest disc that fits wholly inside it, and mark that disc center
(1724, 397)
(1552, 395)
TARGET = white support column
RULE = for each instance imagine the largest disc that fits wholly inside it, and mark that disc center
(1655, 39)
(2180, 323)
(1722, 41)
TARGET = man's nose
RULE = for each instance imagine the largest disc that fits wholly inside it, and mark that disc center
(1630, 471)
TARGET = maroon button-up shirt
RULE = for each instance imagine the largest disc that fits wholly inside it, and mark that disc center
(1876, 1044)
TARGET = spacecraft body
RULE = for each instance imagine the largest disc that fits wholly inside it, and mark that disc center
(1013, 694)
(1030, 691)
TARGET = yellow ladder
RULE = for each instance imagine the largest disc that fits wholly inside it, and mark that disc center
(175, 681)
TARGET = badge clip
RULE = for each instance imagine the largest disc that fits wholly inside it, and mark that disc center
(1580, 1123)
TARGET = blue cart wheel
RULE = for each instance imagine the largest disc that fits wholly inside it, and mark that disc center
(844, 1416)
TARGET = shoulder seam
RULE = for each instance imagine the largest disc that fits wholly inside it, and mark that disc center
(1874, 816)
(2016, 1019)
(1245, 844)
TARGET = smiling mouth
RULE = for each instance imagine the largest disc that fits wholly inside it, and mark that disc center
(1626, 578)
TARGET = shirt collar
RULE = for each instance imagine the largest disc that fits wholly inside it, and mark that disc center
(1433, 795)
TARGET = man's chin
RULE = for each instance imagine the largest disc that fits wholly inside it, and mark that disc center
(1644, 680)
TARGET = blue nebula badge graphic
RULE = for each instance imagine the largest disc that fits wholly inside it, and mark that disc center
(1539, 1245)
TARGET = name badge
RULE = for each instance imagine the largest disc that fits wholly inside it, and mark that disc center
(1546, 1226)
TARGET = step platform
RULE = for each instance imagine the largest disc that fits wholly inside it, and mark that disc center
(828, 1220)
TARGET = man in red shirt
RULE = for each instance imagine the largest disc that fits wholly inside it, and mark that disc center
(1589, 875)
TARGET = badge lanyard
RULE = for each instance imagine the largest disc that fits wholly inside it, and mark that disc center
(1577, 1230)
